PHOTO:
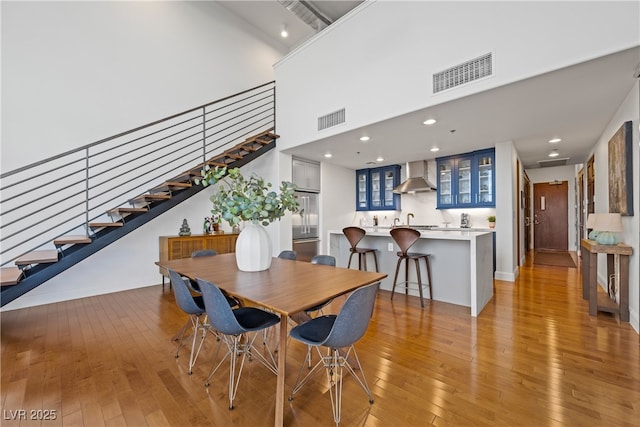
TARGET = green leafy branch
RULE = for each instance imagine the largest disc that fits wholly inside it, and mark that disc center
(247, 199)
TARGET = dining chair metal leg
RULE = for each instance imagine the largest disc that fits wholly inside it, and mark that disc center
(334, 363)
(237, 349)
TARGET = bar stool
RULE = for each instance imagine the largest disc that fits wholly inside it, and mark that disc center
(354, 235)
(405, 238)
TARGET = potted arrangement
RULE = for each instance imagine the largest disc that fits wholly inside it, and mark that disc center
(249, 200)
(492, 221)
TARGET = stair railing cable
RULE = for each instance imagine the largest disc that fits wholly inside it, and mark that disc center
(62, 194)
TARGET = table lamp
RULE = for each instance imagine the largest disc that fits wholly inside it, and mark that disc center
(591, 222)
(607, 224)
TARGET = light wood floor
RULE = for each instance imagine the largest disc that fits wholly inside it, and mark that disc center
(533, 357)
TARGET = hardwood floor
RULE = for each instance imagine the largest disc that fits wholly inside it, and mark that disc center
(533, 357)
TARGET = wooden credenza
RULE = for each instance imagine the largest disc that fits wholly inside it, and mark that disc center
(176, 247)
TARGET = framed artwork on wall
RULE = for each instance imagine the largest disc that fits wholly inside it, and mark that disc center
(621, 171)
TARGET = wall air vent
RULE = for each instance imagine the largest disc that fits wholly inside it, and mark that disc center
(554, 162)
(331, 119)
(464, 73)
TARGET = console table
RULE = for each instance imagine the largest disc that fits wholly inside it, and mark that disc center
(177, 247)
(617, 255)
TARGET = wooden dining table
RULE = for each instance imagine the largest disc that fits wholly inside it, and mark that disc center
(285, 288)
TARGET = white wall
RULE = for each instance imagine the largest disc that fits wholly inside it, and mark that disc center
(338, 200)
(629, 110)
(77, 72)
(560, 173)
(377, 63)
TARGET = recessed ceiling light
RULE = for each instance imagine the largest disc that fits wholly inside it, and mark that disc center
(429, 121)
(554, 140)
(434, 149)
(328, 155)
(554, 153)
(364, 138)
(380, 159)
(284, 33)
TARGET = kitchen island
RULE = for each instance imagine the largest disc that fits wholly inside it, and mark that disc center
(461, 263)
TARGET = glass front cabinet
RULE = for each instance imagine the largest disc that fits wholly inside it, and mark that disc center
(466, 180)
(374, 188)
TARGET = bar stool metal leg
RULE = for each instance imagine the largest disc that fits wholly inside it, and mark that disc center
(429, 277)
(406, 276)
(350, 256)
(395, 278)
(417, 260)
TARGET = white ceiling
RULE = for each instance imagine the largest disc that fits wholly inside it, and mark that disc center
(575, 104)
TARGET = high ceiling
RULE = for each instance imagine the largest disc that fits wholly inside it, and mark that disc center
(574, 104)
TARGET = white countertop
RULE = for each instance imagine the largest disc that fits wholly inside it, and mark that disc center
(450, 234)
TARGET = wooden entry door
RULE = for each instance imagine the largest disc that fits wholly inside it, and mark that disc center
(527, 213)
(551, 216)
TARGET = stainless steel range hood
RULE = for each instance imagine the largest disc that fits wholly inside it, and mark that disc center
(417, 181)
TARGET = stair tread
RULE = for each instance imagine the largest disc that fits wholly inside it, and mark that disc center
(10, 275)
(127, 210)
(168, 186)
(155, 196)
(216, 163)
(233, 155)
(185, 177)
(38, 257)
(105, 224)
(71, 240)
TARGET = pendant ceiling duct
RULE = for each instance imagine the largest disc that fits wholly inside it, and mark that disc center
(308, 14)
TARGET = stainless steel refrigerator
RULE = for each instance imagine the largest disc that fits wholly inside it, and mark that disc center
(306, 236)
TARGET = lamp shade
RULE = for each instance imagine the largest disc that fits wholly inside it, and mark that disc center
(608, 222)
(591, 220)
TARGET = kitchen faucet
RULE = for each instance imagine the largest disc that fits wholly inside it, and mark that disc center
(396, 220)
(409, 215)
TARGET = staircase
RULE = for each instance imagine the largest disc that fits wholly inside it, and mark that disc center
(34, 267)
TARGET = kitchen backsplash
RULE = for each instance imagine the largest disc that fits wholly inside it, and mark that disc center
(423, 208)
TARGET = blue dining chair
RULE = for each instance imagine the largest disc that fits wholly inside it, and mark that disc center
(321, 260)
(286, 254)
(233, 302)
(232, 325)
(194, 307)
(337, 332)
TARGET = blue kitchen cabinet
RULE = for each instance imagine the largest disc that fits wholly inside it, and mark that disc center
(466, 180)
(374, 188)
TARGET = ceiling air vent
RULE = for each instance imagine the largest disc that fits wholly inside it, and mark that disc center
(331, 119)
(554, 162)
(464, 73)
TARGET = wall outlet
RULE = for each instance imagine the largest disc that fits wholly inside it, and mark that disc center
(390, 247)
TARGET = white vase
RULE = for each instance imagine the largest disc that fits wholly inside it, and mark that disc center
(253, 248)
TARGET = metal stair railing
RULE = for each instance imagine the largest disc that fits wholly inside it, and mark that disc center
(61, 195)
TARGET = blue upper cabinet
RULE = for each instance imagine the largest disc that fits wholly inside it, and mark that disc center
(467, 180)
(374, 188)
